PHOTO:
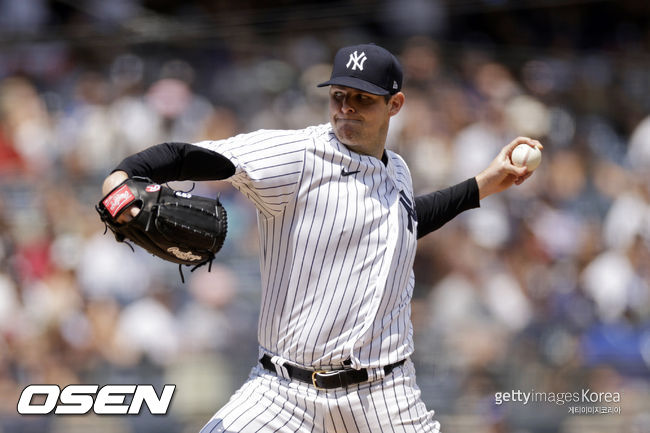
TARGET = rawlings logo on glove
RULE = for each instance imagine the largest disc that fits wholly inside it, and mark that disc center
(173, 225)
(183, 255)
(118, 200)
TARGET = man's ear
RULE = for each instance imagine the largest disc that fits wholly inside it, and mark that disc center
(396, 103)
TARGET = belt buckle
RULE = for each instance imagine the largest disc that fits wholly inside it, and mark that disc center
(313, 379)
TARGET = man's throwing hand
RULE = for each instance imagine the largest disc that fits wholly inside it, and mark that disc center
(501, 174)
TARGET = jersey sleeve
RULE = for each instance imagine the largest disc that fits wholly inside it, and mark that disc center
(436, 209)
(177, 161)
(268, 165)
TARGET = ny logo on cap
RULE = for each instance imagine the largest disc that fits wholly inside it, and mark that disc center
(357, 61)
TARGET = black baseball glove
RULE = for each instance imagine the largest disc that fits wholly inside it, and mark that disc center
(173, 225)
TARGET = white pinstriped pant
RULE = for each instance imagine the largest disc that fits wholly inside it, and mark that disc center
(268, 403)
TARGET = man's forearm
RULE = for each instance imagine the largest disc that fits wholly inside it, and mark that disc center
(177, 161)
(436, 209)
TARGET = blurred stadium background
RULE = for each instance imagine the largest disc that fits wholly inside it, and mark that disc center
(545, 288)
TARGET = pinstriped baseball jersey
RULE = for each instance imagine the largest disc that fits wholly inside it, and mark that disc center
(337, 239)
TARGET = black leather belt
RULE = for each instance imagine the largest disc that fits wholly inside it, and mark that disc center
(326, 379)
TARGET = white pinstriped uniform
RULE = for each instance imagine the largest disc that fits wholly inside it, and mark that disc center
(337, 244)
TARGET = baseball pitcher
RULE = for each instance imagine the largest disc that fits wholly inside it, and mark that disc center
(338, 225)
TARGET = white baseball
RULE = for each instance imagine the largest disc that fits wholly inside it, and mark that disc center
(525, 155)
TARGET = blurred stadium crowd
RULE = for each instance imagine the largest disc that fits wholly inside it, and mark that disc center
(545, 288)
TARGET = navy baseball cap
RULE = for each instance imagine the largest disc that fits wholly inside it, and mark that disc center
(366, 67)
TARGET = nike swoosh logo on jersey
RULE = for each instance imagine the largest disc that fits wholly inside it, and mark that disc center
(344, 172)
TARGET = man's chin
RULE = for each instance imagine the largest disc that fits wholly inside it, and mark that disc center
(347, 135)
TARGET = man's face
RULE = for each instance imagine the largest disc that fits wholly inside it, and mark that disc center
(360, 119)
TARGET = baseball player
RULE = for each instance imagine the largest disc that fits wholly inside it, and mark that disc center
(338, 227)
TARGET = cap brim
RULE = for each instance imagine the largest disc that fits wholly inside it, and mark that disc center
(355, 83)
